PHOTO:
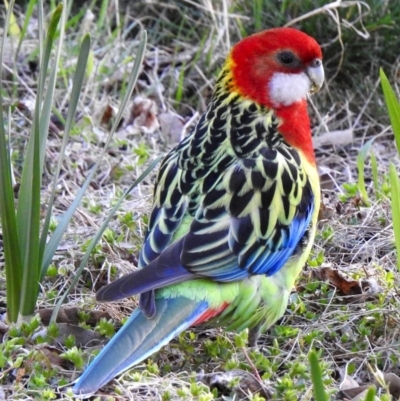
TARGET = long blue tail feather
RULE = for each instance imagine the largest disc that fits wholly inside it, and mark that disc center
(138, 338)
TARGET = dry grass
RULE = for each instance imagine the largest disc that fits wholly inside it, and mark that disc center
(187, 42)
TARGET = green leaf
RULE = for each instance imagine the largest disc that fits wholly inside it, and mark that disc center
(27, 19)
(395, 199)
(393, 107)
(28, 229)
(51, 79)
(28, 212)
(13, 263)
(316, 378)
(370, 396)
(102, 15)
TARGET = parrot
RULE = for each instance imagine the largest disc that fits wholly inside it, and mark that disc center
(235, 208)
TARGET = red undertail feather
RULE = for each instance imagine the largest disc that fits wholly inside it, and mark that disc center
(210, 313)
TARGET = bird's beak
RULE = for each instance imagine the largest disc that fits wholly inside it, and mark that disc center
(315, 72)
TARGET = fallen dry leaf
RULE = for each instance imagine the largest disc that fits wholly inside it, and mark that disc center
(171, 127)
(70, 315)
(350, 393)
(20, 374)
(350, 390)
(83, 337)
(108, 114)
(144, 115)
(348, 383)
(345, 285)
(51, 357)
(361, 396)
(393, 382)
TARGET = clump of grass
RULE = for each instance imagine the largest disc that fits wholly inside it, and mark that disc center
(22, 228)
(393, 106)
(21, 224)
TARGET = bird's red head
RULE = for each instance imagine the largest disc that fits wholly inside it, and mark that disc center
(278, 68)
(266, 59)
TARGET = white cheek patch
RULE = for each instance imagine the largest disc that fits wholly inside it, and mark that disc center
(286, 89)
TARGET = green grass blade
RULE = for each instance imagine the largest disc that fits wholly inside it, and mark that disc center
(13, 263)
(30, 229)
(395, 201)
(68, 7)
(258, 14)
(393, 107)
(13, 27)
(181, 84)
(362, 155)
(41, 31)
(375, 175)
(28, 213)
(316, 378)
(98, 235)
(27, 20)
(73, 103)
(62, 226)
(27, 170)
(51, 82)
(102, 15)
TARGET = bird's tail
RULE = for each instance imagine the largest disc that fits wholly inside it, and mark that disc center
(138, 338)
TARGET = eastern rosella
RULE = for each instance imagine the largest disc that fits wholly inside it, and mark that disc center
(235, 207)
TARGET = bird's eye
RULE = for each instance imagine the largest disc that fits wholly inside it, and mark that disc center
(286, 58)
